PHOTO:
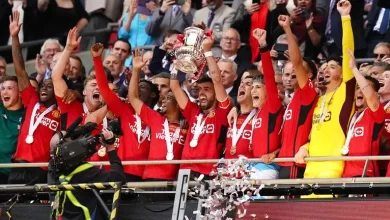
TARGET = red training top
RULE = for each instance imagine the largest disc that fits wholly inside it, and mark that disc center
(297, 122)
(211, 139)
(39, 149)
(269, 119)
(158, 146)
(365, 142)
(242, 146)
(129, 148)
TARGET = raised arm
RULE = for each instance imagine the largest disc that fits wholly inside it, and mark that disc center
(344, 8)
(124, 31)
(59, 83)
(296, 60)
(138, 63)
(215, 72)
(17, 57)
(112, 100)
(180, 95)
(268, 69)
(369, 93)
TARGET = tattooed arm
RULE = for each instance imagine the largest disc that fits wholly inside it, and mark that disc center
(17, 57)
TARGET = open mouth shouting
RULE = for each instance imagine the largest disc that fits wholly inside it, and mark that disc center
(96, 97)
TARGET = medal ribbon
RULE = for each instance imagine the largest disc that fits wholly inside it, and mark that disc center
(236, 135)
(167, 136)
(34, 125)
(354, 121)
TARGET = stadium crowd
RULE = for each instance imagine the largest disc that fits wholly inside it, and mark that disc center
(285, 84)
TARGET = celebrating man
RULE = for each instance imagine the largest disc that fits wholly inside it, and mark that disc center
(207, 121)
(134, 144)
(165, 129)
(297, 118)
(365, 128)
(41, 120)
(333, 110)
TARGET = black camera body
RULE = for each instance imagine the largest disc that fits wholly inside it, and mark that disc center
(79, 145)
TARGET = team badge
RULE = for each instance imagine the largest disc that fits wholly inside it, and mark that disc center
(388, 110)
(211, 114)
(56, 113)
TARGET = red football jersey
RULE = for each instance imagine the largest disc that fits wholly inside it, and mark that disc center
(266, 138)
(242, 147)
(365, 142)
(39, 149)
(128, 149)
(297, 123)
(158, 146)
(69, 113)
(386, 135)
(211, 139)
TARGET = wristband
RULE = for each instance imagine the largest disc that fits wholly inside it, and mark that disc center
(174, 75)
(208, 54)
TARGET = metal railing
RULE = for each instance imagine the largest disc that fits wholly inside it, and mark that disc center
(206, 161)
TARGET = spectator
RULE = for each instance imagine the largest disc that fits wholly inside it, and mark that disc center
(333, 29)
(162, 60)
(114, 64)
(3, 67)
(191, 89)
(229, 75)
(381, 51)
(377, 69)
(231, 44)
(59, 16)
(251, 16)
(307, 26)
(385, 4)
(134, 23)
(77, 69)
(43, 61)
(122, 48)
(377, 26)
(217, 17)
(169, 17)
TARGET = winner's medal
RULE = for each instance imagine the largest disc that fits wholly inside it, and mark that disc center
(29, 139)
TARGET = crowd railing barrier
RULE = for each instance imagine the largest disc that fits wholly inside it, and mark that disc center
(207, 161)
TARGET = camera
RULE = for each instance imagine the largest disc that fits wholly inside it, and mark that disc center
(79, 144)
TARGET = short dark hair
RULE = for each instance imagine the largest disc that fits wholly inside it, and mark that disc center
(204, 79)
(72, 56)
(9, 78)
(312, 67)
(153, 89)
(124, 41)
(374, 81)
(337, 59)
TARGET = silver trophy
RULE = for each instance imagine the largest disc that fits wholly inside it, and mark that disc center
(189, 54)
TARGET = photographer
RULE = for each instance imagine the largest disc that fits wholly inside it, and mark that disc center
(69, 163)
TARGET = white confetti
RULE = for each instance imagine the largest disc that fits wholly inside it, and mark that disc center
(219, 197)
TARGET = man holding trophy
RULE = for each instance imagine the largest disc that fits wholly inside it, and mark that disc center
(208, 121)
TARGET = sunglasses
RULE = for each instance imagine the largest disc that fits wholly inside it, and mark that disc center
(380, 56)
